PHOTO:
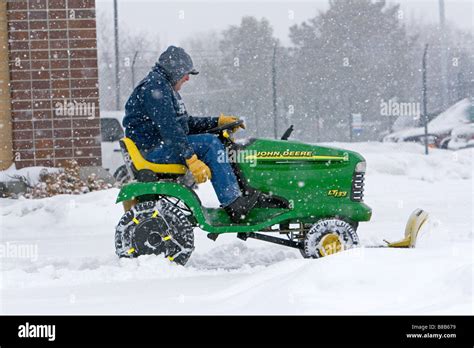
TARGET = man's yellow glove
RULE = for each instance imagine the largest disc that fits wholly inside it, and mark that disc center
(199, 169)
(224, 119)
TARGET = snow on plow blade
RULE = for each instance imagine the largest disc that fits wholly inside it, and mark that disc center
(414, 223)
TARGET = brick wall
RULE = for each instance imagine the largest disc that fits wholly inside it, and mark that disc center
(53, 82)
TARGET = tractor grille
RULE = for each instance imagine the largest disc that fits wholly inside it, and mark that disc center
(357, 191)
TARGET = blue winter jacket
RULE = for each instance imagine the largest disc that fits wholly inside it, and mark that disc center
(156, 116)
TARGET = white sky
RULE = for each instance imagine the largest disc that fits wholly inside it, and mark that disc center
(163, 17)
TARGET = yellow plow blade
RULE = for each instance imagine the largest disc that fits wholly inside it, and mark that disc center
(414, 224)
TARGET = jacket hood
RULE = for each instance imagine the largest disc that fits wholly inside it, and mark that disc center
(176, 63)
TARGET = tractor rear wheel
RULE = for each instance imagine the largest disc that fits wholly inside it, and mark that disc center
(328, 236)
(155, 227)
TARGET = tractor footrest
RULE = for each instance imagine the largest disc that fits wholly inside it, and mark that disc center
(271, 239)
(242, 236)
(213, 236)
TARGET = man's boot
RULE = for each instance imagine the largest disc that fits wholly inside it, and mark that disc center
(239, 208)
(269, 201)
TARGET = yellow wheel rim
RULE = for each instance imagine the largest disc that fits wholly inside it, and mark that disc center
(330, 244)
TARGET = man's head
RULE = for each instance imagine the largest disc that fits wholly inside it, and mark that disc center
(178, 64)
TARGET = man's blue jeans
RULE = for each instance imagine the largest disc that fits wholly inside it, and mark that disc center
(208, 149)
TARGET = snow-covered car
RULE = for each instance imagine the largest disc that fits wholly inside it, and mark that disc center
(439, 129)
(433, 139)
(111, 132)
(462, 137)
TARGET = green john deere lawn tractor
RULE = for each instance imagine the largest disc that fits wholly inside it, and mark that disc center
(314, 200)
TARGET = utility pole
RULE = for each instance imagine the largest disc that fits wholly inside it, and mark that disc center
(460, 86)
(425, 113)
(133, 69)
(117, 60)
(350, 119)
(275, 123)
(318, 123)
(444, 66)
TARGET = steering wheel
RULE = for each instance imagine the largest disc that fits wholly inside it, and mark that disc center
(227, 126)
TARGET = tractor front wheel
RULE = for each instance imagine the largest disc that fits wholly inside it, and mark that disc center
(328, 236)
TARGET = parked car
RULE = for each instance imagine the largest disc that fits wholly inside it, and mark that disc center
(434, 140)
(462, 137)
(440, 129)
(111, 133)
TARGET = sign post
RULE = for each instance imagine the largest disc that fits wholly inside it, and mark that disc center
(357, 124)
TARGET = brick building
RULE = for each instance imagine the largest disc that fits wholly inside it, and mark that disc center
(49, 103)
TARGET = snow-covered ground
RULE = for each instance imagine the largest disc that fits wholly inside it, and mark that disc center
(68, 263)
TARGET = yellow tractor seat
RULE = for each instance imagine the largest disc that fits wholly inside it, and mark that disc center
(134, 159)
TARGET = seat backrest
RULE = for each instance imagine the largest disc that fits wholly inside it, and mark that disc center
(140, 163)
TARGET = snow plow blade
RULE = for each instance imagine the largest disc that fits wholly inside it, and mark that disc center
(414, 223)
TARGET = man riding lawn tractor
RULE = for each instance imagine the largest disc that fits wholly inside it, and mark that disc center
(157, 121)
(311, 195)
